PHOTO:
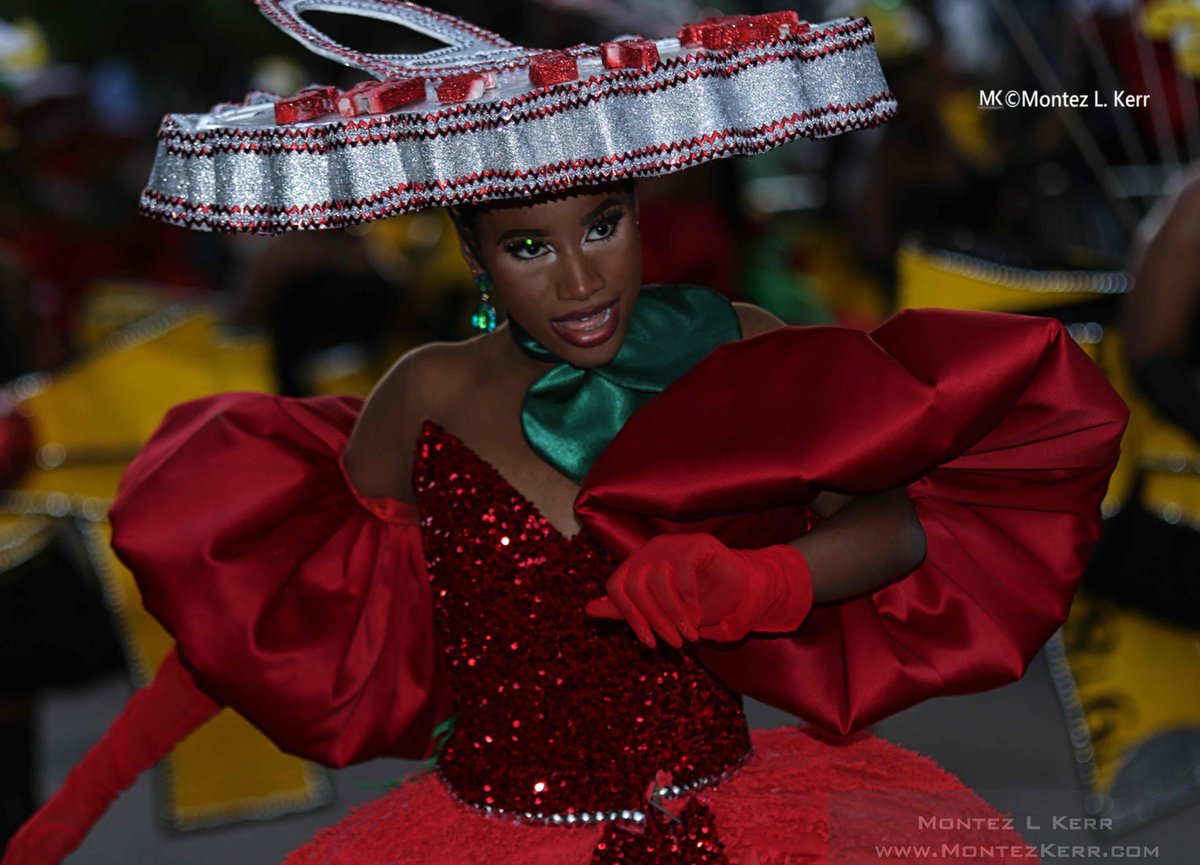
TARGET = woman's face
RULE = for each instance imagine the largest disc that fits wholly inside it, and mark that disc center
(567, 270)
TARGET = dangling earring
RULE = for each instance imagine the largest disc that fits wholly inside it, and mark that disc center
(485, 314)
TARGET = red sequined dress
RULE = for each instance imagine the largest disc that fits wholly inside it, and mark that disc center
(347, 627)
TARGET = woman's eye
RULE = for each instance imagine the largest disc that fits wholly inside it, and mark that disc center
(605, 228)
(527, 248)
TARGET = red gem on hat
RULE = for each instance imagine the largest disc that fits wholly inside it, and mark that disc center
(719, 34)
(307, 104)
(630, 54)
(750, 30)
(735, 31)
(461, 88)
(789, 20)
(377, 97)
(689, 34)
(553, 67)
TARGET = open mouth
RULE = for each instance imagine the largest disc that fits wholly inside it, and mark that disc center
(588, 327)
(588, 317)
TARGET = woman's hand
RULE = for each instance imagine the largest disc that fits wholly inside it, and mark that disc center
(694, 587)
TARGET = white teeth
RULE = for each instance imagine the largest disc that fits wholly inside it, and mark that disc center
(592, 322)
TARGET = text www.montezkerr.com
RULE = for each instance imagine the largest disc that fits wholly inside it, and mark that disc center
(1033, 852)
(948, 852)
(1038, 99)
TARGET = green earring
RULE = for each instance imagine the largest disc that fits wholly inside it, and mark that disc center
(485, 314)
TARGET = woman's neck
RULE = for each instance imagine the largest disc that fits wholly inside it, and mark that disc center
(508, 353)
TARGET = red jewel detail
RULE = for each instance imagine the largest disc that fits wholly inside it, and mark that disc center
(307, 104)
(553, 67)
(630, 54)
(722, 33)
(786, 19)
(755, 29)
(378, 97)
(736, 31)
(461, 88)
(689, 34)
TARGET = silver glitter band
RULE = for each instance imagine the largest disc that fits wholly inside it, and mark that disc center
(237, 169)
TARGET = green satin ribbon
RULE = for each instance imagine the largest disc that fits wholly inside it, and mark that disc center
(570, 414)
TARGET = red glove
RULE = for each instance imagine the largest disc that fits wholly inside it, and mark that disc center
(694, 587)
(155, 719)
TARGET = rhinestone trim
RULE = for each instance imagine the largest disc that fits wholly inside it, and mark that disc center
(591, 818)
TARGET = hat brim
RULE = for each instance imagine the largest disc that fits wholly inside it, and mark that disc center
(694, 106)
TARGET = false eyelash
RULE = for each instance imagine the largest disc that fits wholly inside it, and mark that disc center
(611, 217)
(514, 246)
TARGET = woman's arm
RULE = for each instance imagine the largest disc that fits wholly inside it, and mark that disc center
(863, 542)
(693, 586)
(690, 587)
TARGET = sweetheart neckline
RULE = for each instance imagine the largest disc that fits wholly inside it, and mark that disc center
(431, 424)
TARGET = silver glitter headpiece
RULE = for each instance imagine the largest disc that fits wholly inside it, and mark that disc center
(484, 119)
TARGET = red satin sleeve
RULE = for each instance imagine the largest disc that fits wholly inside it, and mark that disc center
(301, 604)
(1004, 433)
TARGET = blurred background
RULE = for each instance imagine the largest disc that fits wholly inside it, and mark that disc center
(1088, 214)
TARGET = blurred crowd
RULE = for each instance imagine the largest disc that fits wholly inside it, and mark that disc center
(1089, 214)
(82, 90)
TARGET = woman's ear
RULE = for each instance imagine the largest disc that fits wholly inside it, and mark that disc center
(467, 246)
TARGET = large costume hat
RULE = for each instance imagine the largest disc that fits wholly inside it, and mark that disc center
(484, 119)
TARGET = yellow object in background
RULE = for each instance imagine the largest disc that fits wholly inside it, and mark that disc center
(1178, 21)
(1129, 687)
(952, 280)
(110, 306)
(1127, 680)
(1136, 678)
(89, 421)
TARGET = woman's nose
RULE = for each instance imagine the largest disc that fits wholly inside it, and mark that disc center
(579, 278)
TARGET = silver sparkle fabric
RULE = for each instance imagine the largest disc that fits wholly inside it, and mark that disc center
(234, 169)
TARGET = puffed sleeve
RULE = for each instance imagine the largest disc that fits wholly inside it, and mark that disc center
(1000, 427)
(298, 602)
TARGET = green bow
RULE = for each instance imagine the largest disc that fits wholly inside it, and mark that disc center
(570, 414)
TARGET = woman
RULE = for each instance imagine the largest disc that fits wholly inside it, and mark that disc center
(587, 531)
(570, 268)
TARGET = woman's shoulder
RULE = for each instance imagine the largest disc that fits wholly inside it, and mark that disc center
(418, 387)
(754, 320)
(698, 303)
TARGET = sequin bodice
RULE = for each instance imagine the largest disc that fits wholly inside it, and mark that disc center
(557, 713)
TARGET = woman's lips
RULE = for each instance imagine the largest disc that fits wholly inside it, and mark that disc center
(589, 329)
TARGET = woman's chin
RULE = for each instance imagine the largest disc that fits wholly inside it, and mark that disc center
(588, 357)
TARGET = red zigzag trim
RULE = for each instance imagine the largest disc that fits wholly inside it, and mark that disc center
(415, 196)
(369, 132)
